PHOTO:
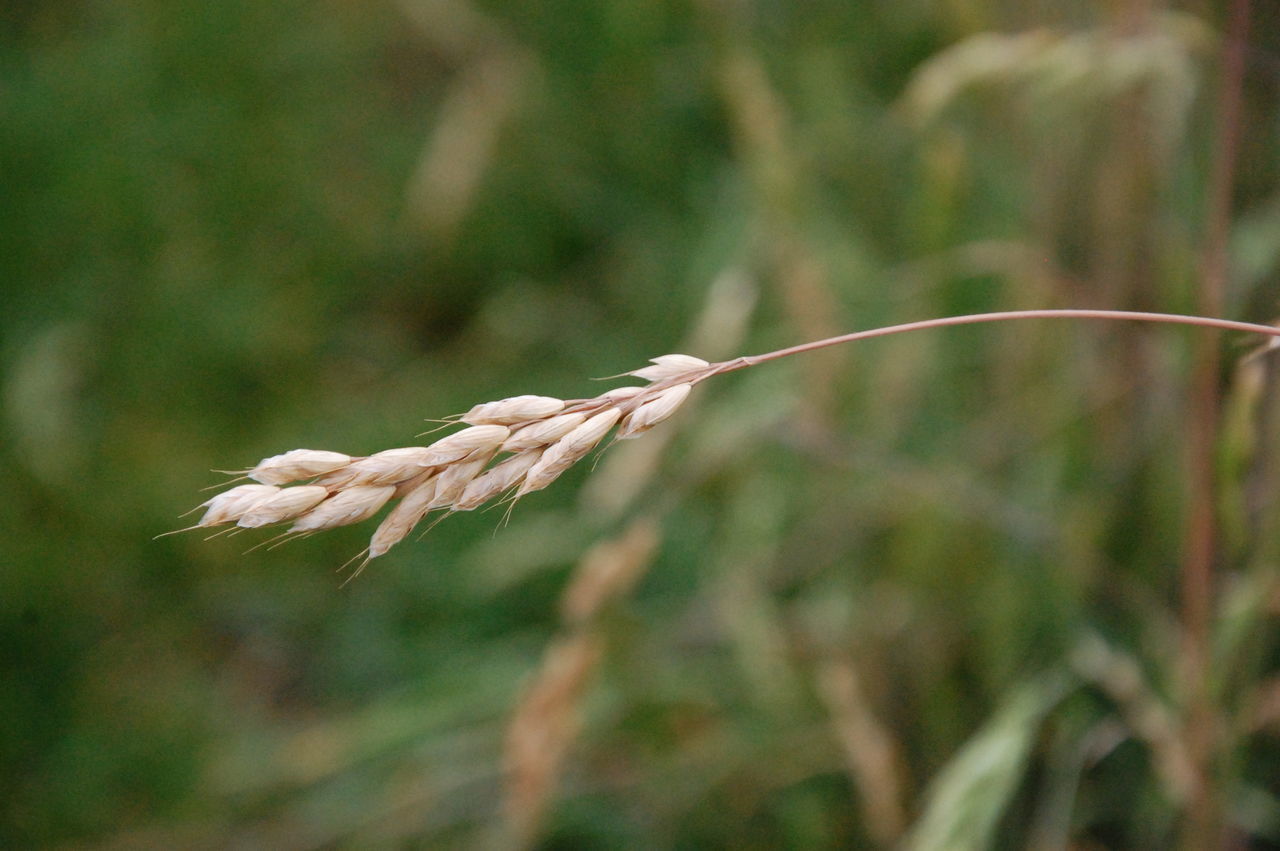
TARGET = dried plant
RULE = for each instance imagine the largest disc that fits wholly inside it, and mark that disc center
(874, 757)
(515, 446)
(543, 727)
(548, 715)
(507, 448)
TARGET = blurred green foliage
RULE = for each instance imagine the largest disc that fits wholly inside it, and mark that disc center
(926, 587)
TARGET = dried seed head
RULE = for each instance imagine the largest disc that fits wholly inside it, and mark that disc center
(543, 432)
(622, 394)
(608, 570)
(554, 461)
(345, 507)
(388, 467)
(408, 513)
(403, 488)
(544, 436)
(546, 720)
(583, 438)
(297, 464)
(657, 409)
(454, 478)
(517, 409)
(286, 504)
(232, 504)
(568, 451)
(460, 444)
(495, 480)
(670, 366)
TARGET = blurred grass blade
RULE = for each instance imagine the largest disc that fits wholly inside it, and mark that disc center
(967, 798)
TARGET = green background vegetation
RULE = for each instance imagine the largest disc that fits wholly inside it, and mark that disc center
(927, 586)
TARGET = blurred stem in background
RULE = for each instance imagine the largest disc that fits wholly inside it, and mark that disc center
(1204, 823)
(765, 144)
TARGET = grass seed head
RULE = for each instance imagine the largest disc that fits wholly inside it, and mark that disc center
(460, 444)
(297, 464)
(496, 480)
(670, 366)
(345, 507)
(402, 519)
(517, 409)
(389, 467)
(231, 505)
(285, 504)
(403, 488)
(622, 394)
(584, 438)
(650, 413)
(545, 436)
(568, 450)
(453, 479)
(543, 432)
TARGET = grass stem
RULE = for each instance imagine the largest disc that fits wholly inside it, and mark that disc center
(1001, 316)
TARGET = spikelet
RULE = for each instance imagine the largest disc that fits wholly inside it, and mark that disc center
(344, 508)
(670, 366)
(297, 464)
(543, 432)
(622, 394)
(400, 521)
(408, 485)
(286, 504)
(497, 479)
(231, 505)
(460, 444)
(650, 413)
(517, 409)
(389, 467)
(568, 450)
(455, 478)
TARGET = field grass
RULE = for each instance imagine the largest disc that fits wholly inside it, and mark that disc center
(1007, 586)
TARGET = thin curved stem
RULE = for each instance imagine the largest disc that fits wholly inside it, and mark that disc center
(1002, 316)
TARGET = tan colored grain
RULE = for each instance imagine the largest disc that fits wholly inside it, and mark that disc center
(402, 519)
(517, 409)
(670, 366)
(297, 464)
(455, 478)
(569, 450)
(229, 506)
(286, 504)
(460, 444)
(345, 507)
(496, 480)
(657, 409)
(543, 432)
(389, 467)
(534, 439)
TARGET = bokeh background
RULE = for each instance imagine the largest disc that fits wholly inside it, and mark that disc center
(929, 591)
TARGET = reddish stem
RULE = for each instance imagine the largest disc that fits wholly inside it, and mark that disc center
(1002, 316)
(1204, 825)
